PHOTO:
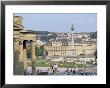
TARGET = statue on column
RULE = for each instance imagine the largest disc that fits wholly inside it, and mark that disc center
(72, 40)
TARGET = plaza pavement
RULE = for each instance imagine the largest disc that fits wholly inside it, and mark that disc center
(61, 71)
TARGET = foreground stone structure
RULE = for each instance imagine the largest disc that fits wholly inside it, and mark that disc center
(21, 38)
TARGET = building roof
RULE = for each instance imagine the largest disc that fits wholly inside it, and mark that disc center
(27, 32)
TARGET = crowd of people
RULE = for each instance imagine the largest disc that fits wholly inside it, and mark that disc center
(55, 70)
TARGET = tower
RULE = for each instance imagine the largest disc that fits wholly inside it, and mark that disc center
(72, 29)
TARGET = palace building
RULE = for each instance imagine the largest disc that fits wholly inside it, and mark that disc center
(65, 49)
(70, 48)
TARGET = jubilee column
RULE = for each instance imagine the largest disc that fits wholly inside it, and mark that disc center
(72, 29)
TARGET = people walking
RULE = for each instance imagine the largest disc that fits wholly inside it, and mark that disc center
(25, 73)
(82, 72)
(73, 71)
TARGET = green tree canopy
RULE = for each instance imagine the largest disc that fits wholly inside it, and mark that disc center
(40, 51)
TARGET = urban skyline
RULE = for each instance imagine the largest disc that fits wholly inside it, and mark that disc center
(45, 53)
(60, 22)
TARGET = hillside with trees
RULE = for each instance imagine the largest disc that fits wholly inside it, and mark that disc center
(93, 35)
(45, 35)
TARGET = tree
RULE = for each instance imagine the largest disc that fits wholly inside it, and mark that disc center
(42, 47)
(40, 51)
(93, 35)
(29, 53)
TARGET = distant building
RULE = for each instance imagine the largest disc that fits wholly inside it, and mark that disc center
(65, 49)
(39, 43)
(75, 47)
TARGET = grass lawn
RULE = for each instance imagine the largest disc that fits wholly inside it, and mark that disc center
(43, 63)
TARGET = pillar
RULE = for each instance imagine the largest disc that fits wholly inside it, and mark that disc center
(16, 44)
(33, 50)
(21, 51)
(72, 29)
(72, 40)
(33, 57)
(25, 55)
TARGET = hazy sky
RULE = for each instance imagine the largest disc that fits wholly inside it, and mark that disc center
(59, 22)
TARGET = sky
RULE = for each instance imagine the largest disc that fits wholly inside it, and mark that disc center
(59, 22)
